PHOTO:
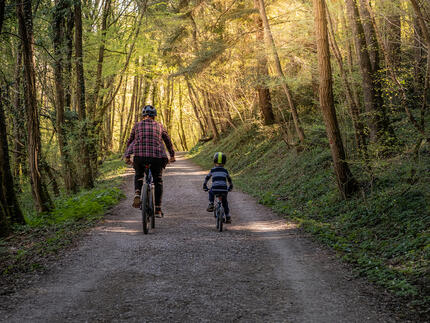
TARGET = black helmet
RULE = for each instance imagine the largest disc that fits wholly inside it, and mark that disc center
(149, 110)
(220, 158)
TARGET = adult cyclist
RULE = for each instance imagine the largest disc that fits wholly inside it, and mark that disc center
(146, 144)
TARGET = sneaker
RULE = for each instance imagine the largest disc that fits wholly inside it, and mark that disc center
(210, 207)
(228, 219)
(158, 212)
(136, 200)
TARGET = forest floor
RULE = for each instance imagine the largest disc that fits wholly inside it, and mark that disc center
(261, 268)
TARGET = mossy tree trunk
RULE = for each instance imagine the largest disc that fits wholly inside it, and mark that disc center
(40, 193)
(87, 173)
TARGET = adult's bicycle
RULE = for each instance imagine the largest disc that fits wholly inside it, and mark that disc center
(147, 204)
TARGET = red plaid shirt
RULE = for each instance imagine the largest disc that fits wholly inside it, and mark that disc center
(146, 140)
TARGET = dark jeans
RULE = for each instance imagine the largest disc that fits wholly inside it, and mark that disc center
(157, 165)
(224, 200)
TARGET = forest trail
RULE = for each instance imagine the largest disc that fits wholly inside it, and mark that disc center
(260, 269)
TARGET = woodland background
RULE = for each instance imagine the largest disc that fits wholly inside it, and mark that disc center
(321, 105)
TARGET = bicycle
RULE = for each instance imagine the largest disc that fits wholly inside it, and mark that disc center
(147, 201)
(219, 212)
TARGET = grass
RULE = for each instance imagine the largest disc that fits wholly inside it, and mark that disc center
(45, 235)
(384, 230)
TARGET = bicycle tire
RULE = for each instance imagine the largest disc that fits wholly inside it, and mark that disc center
(145, 222)
(221, 218)
(152, 207)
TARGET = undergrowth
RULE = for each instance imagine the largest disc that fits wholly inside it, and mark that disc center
(384, 230)
(44, 235)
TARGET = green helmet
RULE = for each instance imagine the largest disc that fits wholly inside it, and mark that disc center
(220, 158)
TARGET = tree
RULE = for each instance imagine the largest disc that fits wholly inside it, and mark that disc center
(279, 71)
(87, 173)
(263, 92)
(40, 193)
(345, 180)
(10, 212)
(58, 42)
(371, 85)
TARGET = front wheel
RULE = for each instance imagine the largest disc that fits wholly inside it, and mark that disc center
(145, 211)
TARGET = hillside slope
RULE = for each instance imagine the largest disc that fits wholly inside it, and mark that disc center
(384, 230)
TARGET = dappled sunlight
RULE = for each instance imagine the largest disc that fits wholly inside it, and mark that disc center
(122, 221)
(125, 174)
(197, 173)
(266, 226)
(118, 230)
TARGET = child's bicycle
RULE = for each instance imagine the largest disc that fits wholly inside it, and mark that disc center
(147, 201)
(219, 212)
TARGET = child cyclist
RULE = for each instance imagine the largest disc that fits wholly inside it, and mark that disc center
(220, 177)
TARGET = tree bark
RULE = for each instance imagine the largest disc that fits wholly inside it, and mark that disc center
(279, 71)
(263, 92)
(58, 40)
(70, 22)
(103, 30)
(196, 112)
(19, 121)
(360, 137)
(372, 97)
(181, 123)
(41, 196)
(10, 212)
(426, 35)
(346, 182)
(87, 173)
(212, 124)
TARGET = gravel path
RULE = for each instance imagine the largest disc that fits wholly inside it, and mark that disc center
(260, 269)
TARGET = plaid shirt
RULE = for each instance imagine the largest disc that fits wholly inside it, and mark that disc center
(146, 140)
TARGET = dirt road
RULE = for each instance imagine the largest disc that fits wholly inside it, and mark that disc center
(259, 270)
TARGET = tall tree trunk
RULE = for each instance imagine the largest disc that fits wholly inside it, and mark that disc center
(346, 182)
(212, 124)
(372, 99)
(103, 30)
(360, 137)
(133, 108)
(196, 112)
(19, 120)
(181, 123)
(10, 212)
(263, 92)
(70, 23)
(41, 196)
(67, 165)
(279, 71)
(425, 32)
(87, 174)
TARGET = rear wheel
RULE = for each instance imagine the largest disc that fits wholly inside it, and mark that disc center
(145, 209)
(220, 218)
(152, 207)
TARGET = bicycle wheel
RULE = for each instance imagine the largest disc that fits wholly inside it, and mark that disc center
(152, 206)
(145, 202)
(220, 218)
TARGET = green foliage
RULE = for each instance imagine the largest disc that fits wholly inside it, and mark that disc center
(84, 205)
(45, 235)
(384, 230)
